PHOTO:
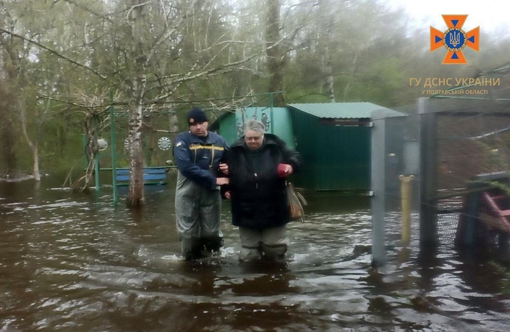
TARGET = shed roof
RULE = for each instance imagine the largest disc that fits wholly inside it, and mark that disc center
(343, 110)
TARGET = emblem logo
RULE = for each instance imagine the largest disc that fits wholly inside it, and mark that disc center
(454, 39)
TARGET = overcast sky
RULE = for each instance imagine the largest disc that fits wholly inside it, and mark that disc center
(490, 15)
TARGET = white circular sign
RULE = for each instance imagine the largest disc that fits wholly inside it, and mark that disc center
(102, 144)
(164, 143)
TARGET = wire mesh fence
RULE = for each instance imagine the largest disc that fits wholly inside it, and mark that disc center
(458, 154)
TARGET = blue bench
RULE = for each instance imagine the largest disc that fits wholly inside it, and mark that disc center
(156, 175)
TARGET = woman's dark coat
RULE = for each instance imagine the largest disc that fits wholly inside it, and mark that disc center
(259, 199)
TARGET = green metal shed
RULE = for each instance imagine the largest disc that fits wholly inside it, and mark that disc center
(334, 142)
(332, 138)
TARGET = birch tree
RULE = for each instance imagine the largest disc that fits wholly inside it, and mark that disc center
(16, 70)
(326, 26)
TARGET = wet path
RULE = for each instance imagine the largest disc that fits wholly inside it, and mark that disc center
(73, 262)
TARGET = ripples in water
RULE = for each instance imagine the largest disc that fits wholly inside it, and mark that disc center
(74, 262)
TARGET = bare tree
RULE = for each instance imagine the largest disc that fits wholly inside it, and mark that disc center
(7, 130)
(275, 57)
(325, 35)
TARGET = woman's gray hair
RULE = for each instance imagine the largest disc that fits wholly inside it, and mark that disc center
(254, 125)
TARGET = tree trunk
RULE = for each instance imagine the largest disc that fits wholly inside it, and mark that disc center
(273, 52)
(7, 128)
(353, 71)
(330, 81)
(35, 155)
(8, 139)
(136, 190)
(33, 146)
(7, 133)
(326, 26)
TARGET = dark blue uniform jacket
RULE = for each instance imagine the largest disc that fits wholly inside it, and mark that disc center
(198, 158)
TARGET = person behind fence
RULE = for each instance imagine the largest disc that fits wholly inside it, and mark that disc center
(198, 153)
(257, 165)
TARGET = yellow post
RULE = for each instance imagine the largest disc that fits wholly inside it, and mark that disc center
(405, 191)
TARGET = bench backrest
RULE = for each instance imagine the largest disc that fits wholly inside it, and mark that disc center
(150, 175)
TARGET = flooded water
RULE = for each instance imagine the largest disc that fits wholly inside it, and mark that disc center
(74, 262)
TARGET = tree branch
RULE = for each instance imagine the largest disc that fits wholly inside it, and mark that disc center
(223, 68)
(87, 9)
(70, 103)
(53, 52)
(167, 34)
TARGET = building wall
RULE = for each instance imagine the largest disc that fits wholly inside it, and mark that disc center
(335, 157)
(227, 128)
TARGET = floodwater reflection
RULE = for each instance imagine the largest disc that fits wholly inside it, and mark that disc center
(74, 262)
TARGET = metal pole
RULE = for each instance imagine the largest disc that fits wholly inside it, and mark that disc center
(428, 174)
(113, 151)
(405, 190)
(271, 101)
(378, 178)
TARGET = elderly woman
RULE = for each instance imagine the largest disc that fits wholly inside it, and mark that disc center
(258, 164)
